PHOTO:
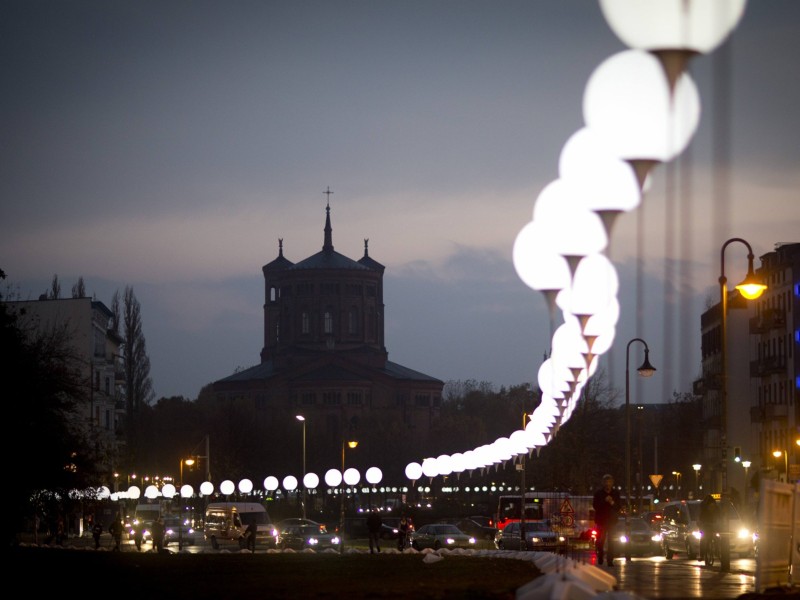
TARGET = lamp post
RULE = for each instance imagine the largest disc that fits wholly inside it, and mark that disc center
(190, 462)
(697, 467)
(303, 420)
(777, 454)
(746, 464)
(349, 444)
(750, 288)
(677, 475)
(645, 370)
(522, 538)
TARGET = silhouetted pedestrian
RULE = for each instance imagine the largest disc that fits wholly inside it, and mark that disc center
(374, 524)
(97, 531)
(607, 505)
(115, 529)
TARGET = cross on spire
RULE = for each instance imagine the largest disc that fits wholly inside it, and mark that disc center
(328, 193)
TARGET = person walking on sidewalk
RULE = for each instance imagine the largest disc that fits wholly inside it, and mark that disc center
(374, 524)
(607, 506)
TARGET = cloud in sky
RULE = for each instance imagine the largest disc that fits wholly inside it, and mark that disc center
(170, 145)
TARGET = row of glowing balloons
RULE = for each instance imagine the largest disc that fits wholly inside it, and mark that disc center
(290, 483)
(640, 108)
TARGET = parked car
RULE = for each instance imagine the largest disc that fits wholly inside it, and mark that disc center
(296, 521)
(681, 533)
(479, 530)
(634, 537)
(440, 535)
(539, 535)
(304, 536)
(178, 531)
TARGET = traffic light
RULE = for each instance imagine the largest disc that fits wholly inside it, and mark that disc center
(737, 454)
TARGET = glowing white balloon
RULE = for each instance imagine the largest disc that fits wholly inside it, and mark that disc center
(627, 101)
(333, 477)
(290, 483)
(245, 486)
(271, 483)
(168, 491)
(310, 481)
(413, 471)
(602, 180)
(697, 26)
(227, 487)
(352, 476)
(430, 467)
(445, 464)
(374, 475)
(206, 488)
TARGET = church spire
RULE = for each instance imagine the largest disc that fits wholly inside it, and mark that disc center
(328, 245)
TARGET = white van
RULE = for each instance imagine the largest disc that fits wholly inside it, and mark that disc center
(143, 517)
(229, 520)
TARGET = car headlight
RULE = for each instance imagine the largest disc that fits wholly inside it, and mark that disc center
(313, 541)
(744, 533)
(335, 540)
(656, 537)
(697, 534)
(471, 540)
(561, 538)
(623, 538)
(450, 541)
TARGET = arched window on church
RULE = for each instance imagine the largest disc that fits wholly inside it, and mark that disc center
(352, 321)
(371, 323)
(328, 321)
(273, 293)
(305, 326)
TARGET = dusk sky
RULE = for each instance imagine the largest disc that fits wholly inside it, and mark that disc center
(169, 145)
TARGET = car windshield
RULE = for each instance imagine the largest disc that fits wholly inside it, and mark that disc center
(537, 526)
(639, 525)
(309, 530)
(448, 529)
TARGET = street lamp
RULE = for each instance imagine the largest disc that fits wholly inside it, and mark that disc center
(750, 288)
(181, 499)
(349, 444)
(188, 462)
(678, 483)
(777, 454)
(303, 420)
(697, 468)
(646, 370)
(746, 464)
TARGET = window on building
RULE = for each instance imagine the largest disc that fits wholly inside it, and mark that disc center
(273, 293)
(108, 386)
(422, 400)
(308, 398)
(352, 321)
(328, 321)
(332, 398)
(97, 380)
(261, 402)
(305, 325)
(355, 398)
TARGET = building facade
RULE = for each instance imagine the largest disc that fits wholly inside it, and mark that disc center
(324, 357)
(763, 372)
(88, 324)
